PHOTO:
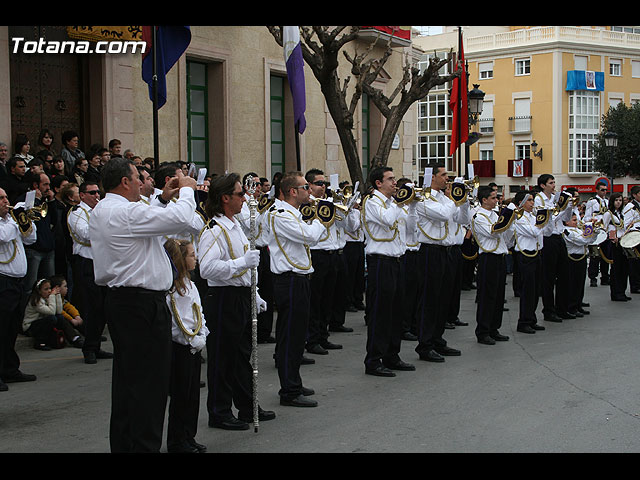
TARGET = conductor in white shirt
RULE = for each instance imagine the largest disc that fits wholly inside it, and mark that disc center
(127, 240)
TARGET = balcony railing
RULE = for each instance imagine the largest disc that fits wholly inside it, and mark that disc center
(519, 125)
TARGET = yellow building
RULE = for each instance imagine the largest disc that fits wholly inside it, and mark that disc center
(546, 86)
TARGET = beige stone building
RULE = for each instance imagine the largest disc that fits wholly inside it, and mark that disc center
(228, 102)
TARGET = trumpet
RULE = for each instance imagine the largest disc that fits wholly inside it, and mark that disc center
(408, 193)
(35, 213)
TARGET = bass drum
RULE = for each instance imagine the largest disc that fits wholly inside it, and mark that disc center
(630, 242)
(594, 248)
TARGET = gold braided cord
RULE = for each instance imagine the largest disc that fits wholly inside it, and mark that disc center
(521, 250)
(196, 314)
(366, 227)
(473, 231)
(15, 252)
(306, 247)
(71, 232)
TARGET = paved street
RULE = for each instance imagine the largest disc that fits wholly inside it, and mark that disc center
(571, 388)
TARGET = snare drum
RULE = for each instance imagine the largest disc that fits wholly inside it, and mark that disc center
(594, 248)
(630, 243)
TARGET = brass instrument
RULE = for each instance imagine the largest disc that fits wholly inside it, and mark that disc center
(322, 209)
(408, 193)
(460, 191)
(35, 213)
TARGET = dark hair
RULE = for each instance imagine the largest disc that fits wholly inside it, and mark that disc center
(520, 196)
(543, 179)
(57, 181)
(43, 132)
(83, 186)
(222, 185)
(377, 174)
(13, 161)
(167, 169)
(67, 136)
(635, 189)
(404, 181)
(311, 174)
(177, 250)
(56, 281)
(601, 184)
(21, 141)
(612, 202)
(289, 181)
(34, 297)
(36, 161)
(114, 171)
(264, 179)
(113, 142)
(484, 191)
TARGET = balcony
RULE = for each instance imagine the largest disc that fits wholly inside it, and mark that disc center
(485, 126)
(520, 125)
(484, 168)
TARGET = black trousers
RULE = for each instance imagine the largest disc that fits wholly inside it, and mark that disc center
(229, 374)
(354, 255)
(140, 326)
(339, 301)
(409, 281)
(323, 282)
(436, 278)
(184, 390)
(619, 271)
(555, 275)
(634, 274)
(516, 280)
(492, 272)
(530, 274)
(578, 275)
(265, 288)
(292, 293)
(452, 297)
(11, 292)
(384, 324)
(94, 318)
(598, 265)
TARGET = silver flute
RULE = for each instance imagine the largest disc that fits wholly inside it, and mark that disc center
(251, 186)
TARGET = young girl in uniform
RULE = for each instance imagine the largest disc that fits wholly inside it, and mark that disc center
(189, 333)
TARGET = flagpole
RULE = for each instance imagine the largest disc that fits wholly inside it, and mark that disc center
(297, 135)
(459, 106)
(154, 83)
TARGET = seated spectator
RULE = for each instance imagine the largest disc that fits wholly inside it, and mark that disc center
(93, 168)
(21, 147)
(59, 167)
(37, 165)
(115, 148)
(45, 141)
(79, 170)
(69, 312)
(70, 151)
(43, 316)
(105, 155)
(137, 160)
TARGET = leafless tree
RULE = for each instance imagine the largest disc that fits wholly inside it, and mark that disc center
(321, 46)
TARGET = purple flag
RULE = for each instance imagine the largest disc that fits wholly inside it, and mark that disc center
(295, 73)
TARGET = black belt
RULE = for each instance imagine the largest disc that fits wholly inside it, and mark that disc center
(328, 252)
(293, 274)
(230, 287)
(424, 246)
(136, 290)
(383, 257)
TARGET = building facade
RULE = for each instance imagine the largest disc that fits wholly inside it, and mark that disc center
(228, 102)
(546, 89)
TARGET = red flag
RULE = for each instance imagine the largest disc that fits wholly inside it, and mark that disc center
(458, 103)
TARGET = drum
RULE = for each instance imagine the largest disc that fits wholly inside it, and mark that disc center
(594, 248)
(630, 243)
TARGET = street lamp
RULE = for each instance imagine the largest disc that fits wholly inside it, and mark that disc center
(475, 100)
(611, 141)
(536, 152)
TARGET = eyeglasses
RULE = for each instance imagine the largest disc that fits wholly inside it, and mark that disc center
(305, 186)
(321, 183)
(92, 192)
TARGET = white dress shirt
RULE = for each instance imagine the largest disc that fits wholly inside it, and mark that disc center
(78, 223)
(631, 216)
(191, 232)
(410, 220)
(614, 221)
(380, 217)
(593, 208)
(527, 235)
(576, 241)
(437, 219)
(127, 240)
(188, 325)
(13, 260)
(290, 239)
(488, 241)
(555, 225)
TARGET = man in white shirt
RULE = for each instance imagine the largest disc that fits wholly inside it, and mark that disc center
(127, 239)
(290, 239)
(555, 263)
(492, 268)
(631, 215)
(92, 295)
(594, 210)
(13, 268)
(385, 245)
(577, 250)
(226, 262)
(436, 216)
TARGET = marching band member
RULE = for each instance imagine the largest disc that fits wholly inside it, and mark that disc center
(577, 241)
(13, 268)
(631, 214)
(148, 185)
(554, 255)
(409, 270)
(385, 245)
(127, 240)
(614, 222)
(436, 215)
(528, 242)
(92, 295)
(594, 211)
(492, 234)
(354, 254)
(226, 262)
(289, 241)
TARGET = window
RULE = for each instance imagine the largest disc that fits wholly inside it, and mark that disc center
(523, 150)
(434, 149)
(277, 124)
(434, 113)
(485, 70)
(615, 67)
(197, 117)
(584, 125)
(366, 165)
(486, 119)
(444, 70)
(635, 68)
(486, 151)
(626, 29)
(580, 62)
(523, 66)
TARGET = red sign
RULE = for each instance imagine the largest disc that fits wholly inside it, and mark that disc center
(400, 32)
(592, 188)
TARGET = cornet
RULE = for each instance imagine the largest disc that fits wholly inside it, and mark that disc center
(408, 193)
(35, 213)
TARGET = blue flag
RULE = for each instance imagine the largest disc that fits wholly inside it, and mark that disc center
(295, 73)
(171, 42)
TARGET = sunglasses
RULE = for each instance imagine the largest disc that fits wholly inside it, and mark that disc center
(305, 186)
(92, 192)
(321, 183)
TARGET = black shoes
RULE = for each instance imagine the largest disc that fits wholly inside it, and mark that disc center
(459, 323)
(327, 345)
(316, 350)
(299, 401)
(341, 328)
(380, 371)
(184, 447)
(402, 366)
(432, 356)
(263, 416)
(498, 337)
(307, 392)
(566, 315)
(231, 423)
(409, 337)
(269, 339)
(620, 298)
(576, 314)
(583, 311)
(486, 340)
(307, 361)
(537, 327)
(92, 357)
(448, 351)
(20, 377)
(593, 283)
(526, 329)
(552, 317)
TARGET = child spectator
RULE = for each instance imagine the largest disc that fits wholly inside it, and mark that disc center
(69, 312)
(44, 314)
(189, 333)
